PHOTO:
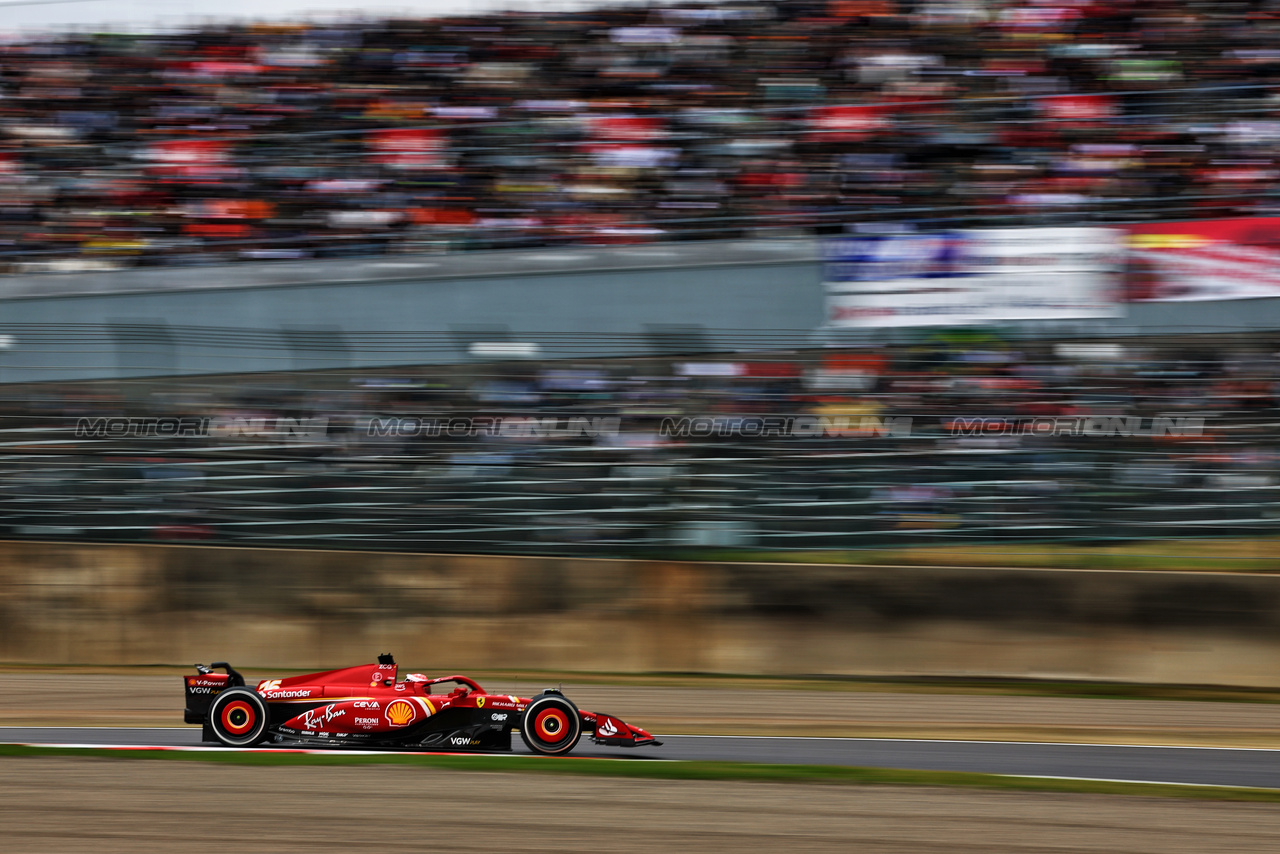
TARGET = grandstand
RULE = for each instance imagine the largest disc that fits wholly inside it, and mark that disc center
(361, 211)
(953, 440)
(628, 125)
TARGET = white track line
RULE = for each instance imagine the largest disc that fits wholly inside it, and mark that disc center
(780, 738)
(326, 751)
(1138, 782)
(976, 741)
(311, 751)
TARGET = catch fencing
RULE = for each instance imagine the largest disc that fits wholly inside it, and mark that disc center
(643, 459)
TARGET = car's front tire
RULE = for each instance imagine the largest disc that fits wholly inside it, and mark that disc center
(551, 725)
(239, 717)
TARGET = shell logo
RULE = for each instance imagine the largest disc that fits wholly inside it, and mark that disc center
(401, 712)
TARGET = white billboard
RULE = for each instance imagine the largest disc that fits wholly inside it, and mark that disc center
(973, 276)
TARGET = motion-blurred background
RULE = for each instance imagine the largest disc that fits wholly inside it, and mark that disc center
(860, 282)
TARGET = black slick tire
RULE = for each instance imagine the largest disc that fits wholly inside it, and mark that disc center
(551, 725)
(239, 717)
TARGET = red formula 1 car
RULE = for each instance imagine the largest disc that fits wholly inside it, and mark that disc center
(366, 706)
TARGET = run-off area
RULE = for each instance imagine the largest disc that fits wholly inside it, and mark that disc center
(59, 804)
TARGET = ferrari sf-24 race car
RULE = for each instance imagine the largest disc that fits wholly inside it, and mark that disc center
(366, 706)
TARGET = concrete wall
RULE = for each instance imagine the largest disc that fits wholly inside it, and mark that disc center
(407, 310)
(425, 309)
(95, 604)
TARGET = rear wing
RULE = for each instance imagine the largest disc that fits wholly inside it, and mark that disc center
(204, 686)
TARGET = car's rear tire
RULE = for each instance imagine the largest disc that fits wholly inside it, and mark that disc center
(239, 717)
(551, 725)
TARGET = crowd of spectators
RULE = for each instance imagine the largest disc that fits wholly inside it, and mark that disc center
(637, 481)
(682, 121)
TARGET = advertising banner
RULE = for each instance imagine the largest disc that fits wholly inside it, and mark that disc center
(191, 158)
(973, 276)
(848, 123)
(1206, 260)
(408, 148)
(1078, 108)
(626, 128)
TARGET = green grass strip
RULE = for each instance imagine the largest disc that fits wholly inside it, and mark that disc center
(638, 768)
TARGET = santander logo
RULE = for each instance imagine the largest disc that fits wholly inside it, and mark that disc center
(607, 728)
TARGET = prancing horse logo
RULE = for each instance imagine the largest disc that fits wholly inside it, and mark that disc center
(480, 702)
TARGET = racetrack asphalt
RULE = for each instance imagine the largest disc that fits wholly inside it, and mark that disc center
(1213, 766)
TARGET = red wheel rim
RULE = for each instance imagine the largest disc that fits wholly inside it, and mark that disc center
(551, 725)
(238, 717)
